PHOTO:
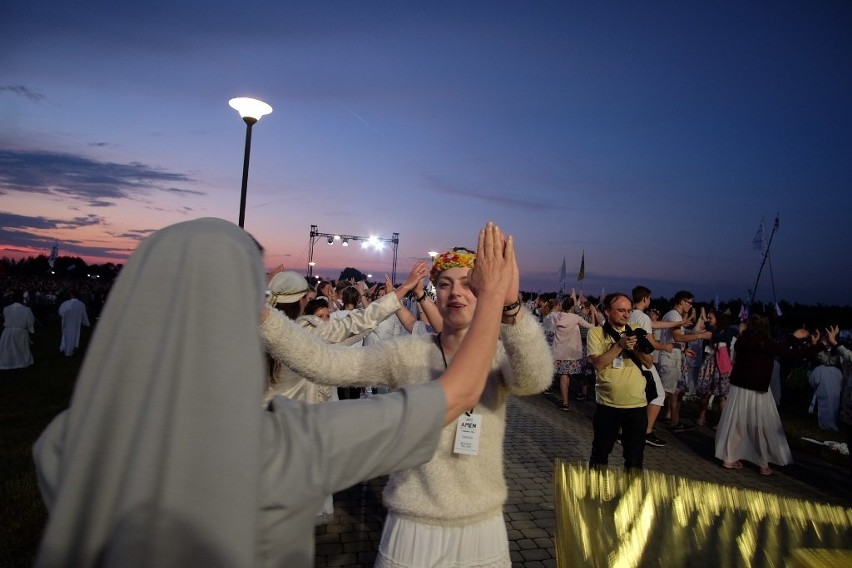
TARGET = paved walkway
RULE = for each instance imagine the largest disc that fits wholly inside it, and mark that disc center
(538, 433)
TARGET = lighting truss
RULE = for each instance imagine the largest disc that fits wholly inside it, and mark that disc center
(376, 242)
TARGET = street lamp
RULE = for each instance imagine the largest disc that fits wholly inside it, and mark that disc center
(251, 110)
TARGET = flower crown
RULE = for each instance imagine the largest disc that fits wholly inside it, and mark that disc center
(459, 257)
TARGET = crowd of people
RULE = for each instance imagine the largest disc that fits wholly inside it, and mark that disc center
(216, 434)
(32, 301)
(172, 457)
(697, 353)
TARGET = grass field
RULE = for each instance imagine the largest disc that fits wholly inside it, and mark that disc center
(30, 398)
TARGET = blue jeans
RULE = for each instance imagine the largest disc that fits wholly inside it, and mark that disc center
(607, 421)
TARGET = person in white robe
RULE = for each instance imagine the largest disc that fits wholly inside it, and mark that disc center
(165, 456)
(18, 324)
(74, 315)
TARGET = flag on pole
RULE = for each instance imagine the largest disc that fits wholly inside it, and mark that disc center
(759, 240)
(716, 302)
(582, 273)
(778, 310)
(54, 252)
(563, 274)
(776, 224)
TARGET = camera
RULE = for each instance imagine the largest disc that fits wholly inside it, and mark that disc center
(642, 343)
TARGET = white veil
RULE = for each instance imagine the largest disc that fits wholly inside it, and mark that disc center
(156, 461)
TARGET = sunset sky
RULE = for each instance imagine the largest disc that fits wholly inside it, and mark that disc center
(652, 136)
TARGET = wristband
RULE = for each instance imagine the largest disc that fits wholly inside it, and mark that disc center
(512, 318)
(511, 307)
(421, 298)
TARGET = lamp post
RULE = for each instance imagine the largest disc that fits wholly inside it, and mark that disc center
(251, 110)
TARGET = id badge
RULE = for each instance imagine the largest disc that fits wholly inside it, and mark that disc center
(468, 428)
(618, 362)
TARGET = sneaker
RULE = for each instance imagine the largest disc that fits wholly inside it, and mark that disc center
(581, 397)
(563, 406)
(618, 440)
(680, 427)
(652, 440)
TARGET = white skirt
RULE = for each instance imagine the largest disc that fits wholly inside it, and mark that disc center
(750, 429)
(409, 544)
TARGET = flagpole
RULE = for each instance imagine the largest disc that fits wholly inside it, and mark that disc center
(772, 281)
(765, 256)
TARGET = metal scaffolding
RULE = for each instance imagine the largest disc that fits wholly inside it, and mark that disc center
(331, 238)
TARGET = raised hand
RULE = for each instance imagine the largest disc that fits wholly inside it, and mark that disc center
(277, 270)
(831, 333)
(514, 290)
(815, 337)
(417, 274)
(495, 270)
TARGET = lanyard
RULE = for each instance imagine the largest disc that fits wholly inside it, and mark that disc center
(444, 357)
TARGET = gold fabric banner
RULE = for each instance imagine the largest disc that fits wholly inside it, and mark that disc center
(612, 518)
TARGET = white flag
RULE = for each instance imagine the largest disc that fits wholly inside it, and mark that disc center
(54, 251)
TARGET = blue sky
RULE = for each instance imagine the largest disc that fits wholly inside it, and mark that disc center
(653, 136)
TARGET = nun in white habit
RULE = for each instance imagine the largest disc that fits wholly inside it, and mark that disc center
(165, 457)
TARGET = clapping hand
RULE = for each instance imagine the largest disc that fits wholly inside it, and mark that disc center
(496, 270)
(277, 270)
(831, 333)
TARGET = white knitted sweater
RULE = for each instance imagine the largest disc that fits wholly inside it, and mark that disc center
(450, 489)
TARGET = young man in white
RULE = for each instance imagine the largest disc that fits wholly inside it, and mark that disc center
(670, 364)
(639, 319)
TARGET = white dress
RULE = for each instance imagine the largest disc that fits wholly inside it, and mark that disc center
(750, 429)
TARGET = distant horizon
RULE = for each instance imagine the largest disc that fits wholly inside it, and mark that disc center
(668, 290)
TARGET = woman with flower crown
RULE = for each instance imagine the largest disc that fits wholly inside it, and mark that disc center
(448, 511)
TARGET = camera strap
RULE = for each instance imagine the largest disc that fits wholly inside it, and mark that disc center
(616, 336)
